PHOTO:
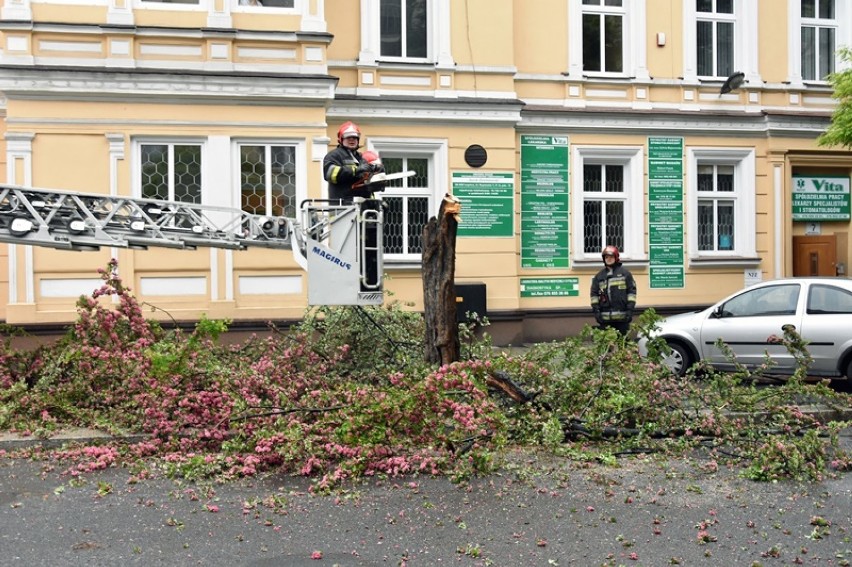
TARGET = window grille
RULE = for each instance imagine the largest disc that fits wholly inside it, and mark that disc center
(268, 179)
(716, 208)
(604, 199)
(408, 206)
(171, 172)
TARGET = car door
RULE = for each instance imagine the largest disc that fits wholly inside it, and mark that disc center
(746, 322)
(827, 324)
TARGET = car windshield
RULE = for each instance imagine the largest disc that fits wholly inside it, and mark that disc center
(829, 299)
(764, 301)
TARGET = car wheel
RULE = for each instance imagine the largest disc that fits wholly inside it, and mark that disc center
(844, 385)
(679, 360)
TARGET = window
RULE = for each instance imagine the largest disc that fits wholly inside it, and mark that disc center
(818, 39)
(603, 207)
(828, 300)
(268, 179)
(720, 37)
(268, 3)
(603, 36)
(608, 202)
(170, 172)
(415, 31)
(404, 28)
(715, 37)
(716, 204)
(721, 202)
(196, 2)
(607, 37)
(816, 33)
(412, 201)
(408, 206)
(763, 302)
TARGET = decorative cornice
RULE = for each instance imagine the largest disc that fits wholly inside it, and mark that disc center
(737, 125)
(163, 86)
(169, 32)
(428, 110)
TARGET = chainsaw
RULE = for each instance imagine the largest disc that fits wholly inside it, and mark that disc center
(377, 181)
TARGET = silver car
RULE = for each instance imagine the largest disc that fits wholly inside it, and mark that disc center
(819, 309)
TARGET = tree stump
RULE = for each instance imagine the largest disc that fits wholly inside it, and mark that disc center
(439, 289)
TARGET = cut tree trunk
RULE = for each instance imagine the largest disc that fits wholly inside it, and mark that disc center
(439, 289)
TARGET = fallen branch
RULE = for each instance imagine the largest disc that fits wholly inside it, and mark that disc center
(501, 381)
(280, 411)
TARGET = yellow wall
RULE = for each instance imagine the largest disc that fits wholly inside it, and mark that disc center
(508, 76)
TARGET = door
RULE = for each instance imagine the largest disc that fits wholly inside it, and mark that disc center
(826, 326)
(748, 320)
(814, 256)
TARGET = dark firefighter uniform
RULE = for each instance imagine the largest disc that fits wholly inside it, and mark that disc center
(613, 297)
(342, 168)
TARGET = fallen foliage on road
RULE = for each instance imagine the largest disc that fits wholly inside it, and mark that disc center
(346, 395)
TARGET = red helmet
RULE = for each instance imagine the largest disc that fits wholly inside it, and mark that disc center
(610, 251)
(371, 157)
(348, 130)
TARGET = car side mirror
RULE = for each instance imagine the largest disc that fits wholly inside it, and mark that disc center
(718, 313)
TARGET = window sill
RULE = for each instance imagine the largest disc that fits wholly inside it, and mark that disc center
(724, 261)
(817, 85)
(407, 65)
(398, 265)
(597, 263)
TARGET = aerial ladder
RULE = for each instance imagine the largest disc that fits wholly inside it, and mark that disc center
(338, 244)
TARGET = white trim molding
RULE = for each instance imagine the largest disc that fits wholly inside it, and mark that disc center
(743, 160)
(632, 158)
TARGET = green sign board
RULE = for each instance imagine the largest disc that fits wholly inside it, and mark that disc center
(665, 169)
(544, 201)
(665, 212)
(821, 198)
(667, 255)
(665, 148)
(487, 203)
(667, 276)
(550, 287)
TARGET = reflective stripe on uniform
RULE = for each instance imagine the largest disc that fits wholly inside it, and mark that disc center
(334, 171)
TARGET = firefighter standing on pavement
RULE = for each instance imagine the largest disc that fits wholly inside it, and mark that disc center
(613, 293)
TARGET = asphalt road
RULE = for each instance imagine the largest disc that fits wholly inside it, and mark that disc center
(539, 511)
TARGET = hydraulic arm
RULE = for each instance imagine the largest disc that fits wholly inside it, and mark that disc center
(338, 244)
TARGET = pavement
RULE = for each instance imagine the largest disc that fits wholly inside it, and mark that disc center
(539, 510)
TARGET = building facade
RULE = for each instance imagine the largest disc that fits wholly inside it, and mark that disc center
(561, 125)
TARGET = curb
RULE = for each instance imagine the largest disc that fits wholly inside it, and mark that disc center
(82, 435)
(87, 436)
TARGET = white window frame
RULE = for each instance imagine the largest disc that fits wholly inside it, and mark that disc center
(157, 5)
(436, 151)
(438, 36)
(717, 19)
(239, 7)
(601, 11)
(842, 36)
(172, 141)
(634, 58)
(300, 159)
(632, 158)
(743, 195)
(746, 36)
